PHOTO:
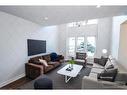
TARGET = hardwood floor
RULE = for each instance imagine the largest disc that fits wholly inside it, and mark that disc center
(16, 83)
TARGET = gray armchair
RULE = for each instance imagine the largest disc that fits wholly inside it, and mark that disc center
(94, 83)
(81, 58)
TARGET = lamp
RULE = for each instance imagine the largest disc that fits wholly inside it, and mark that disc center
(104, 53)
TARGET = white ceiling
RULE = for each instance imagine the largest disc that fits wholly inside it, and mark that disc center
(63, 14)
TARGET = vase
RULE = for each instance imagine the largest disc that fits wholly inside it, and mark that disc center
(71, 66)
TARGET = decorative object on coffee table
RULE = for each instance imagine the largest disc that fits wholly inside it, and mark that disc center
(69, 74)
(71, 62)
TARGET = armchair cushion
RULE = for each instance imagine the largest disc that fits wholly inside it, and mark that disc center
(80, 55)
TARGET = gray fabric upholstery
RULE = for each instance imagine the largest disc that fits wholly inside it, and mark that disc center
(43, 83)
(91, 81)
(108, 75)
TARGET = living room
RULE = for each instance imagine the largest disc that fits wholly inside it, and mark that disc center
(104, 29)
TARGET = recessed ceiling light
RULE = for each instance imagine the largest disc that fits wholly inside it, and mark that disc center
(46, 18)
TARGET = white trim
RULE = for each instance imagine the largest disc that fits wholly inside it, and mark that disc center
(12, 80)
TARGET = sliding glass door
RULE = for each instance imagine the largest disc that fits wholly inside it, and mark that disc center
(91, 46)
(82, 44)
(71, 49)
(80, 47)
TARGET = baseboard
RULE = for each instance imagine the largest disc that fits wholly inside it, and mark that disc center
(11, 80)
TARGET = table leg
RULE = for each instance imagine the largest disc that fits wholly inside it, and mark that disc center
(67, 78)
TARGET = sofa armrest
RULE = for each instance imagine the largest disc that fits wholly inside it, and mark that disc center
(121, 77)
(33, 70)
(93, 83)
(61, 57)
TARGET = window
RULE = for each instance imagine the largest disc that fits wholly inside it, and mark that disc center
(82, 23)
(70, 24)
(80, 44)
(76, 24)
(93, 21)
(71, 46)
(91, 46)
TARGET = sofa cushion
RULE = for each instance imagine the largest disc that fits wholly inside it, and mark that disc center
(47, 57)
(55, 64)
(35, 60)
(48, 68)
(110, 67)
(95, 65)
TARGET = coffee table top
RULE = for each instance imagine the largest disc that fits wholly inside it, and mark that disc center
(73, 73)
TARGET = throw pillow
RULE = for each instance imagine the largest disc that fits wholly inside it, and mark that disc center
(43, 62)
(114, 63)
(108, 75)
(108, 63)
(53, 56)
(110, 57)
(102, 61)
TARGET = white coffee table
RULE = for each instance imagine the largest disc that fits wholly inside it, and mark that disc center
(69, 74)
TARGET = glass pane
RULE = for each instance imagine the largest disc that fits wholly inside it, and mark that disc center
(91, 45)
(93, 21)
(70, 25)
(71, 46)
(80, 44)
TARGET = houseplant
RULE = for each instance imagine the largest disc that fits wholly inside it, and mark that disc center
(71, 62)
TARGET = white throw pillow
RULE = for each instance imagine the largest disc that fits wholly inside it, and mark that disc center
(110, 57)
(114, 63)
(108, 63)
(43, 62)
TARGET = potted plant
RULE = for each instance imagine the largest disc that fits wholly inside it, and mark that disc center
(71, 62)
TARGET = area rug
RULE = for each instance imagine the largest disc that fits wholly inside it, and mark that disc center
(59, 80)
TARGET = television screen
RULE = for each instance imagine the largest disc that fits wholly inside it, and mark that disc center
(36, 46)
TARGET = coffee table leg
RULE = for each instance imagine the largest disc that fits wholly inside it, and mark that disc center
(67, 78)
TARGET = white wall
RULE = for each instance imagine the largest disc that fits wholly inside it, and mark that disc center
(122, 55)
(104, 35)
(14, 32)
(87, 30)
(102, 31)
(62, 36)
(117, 20)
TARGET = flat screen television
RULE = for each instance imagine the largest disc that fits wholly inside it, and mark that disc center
(36, 46)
